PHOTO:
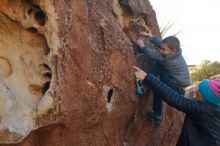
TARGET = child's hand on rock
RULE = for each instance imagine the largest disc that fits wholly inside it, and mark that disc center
(140, 42)
(146, 34)
(139, 74)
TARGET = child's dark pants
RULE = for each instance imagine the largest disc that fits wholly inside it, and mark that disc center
(158, 70)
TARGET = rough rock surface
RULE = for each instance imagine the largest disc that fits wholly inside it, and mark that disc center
(66, 76)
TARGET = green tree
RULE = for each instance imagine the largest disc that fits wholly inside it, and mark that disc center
(205, 70)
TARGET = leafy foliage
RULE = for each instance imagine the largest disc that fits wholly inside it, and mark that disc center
(205, 70)
(165, 28)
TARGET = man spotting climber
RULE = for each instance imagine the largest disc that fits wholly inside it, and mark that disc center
(170, 66)
(201, 125)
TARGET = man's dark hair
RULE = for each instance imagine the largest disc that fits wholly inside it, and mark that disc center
(172, 41)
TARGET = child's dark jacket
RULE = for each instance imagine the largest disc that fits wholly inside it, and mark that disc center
(175, 64)
(202, 121)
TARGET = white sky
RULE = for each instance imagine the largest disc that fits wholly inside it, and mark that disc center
(199, 23)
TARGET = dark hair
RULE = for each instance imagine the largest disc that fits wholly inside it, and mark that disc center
(172, 41)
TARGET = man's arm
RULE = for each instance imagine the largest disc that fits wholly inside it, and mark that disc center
(156, 40)
(152, 53)
(173, 98)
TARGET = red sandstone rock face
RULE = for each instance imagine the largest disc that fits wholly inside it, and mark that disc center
(95, 103)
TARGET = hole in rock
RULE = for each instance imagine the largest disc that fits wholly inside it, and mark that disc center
(47, 73)
(46, 67)
(127, 8)
(35, 90)
(46, 87)
(109, 96)
(123, 3)
(40, 17)
(28, 1)
(35, 12)
(29, 11)
(47, 76)
(32, 29)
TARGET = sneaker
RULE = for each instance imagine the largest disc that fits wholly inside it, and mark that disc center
(154, 117)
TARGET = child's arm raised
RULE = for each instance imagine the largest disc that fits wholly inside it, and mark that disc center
(152, 53)
(145, 34)
(156, 40)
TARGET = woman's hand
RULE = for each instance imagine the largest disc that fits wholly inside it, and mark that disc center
(140, 74)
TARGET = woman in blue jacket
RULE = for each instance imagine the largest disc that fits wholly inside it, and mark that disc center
(201, 126)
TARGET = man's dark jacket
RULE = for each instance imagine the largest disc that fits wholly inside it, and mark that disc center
(202, 121)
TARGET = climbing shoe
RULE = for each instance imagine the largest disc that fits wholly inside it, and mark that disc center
(154, 117)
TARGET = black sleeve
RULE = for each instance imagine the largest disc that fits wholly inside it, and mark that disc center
(174, 99)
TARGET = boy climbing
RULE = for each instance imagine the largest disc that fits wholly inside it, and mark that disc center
(170, 66)
(201, 124)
